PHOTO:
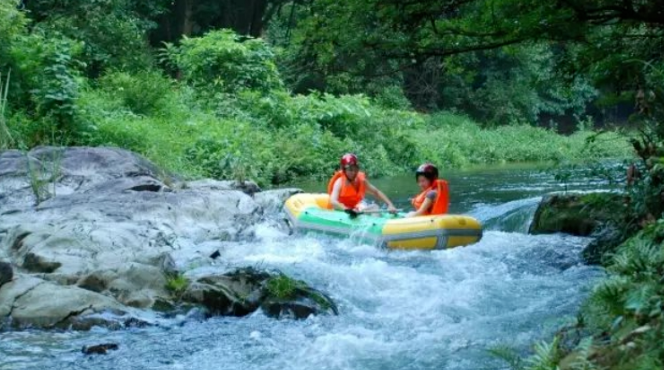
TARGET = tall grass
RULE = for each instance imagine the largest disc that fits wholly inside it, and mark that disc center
(6, 140)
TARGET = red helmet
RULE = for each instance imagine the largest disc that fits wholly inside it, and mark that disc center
(427, 170)
(348, 159)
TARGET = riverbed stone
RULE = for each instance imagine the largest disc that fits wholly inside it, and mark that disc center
(577, 214)
(273, 200)
(91, 230)
(100, 349)
(104, 225)
(243, 291)
(32, 302)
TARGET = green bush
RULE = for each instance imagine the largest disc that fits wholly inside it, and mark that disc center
(143, 93)
(231, 118)
(224, 62)
(12, 25)
(112, 32)
(47, 78)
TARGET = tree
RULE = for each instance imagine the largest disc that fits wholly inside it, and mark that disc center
(419, 39)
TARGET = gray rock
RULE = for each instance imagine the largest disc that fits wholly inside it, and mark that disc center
(247, 187)
(273, 200)
(244, 291)
(577, 214)
(32, 302)
(90, 231)
(108, 223)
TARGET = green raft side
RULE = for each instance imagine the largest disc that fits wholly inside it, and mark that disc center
(367, 228)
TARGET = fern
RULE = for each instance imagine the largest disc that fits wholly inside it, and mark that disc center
(508, 355)
(639, 258)
(610, 295)
(547, 356)
(581, 360)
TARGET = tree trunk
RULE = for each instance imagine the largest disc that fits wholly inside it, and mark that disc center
(187, 14)
(258, 11)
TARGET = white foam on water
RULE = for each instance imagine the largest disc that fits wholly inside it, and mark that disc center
(398, 309)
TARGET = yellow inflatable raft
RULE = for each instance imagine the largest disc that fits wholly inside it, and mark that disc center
(308, 212)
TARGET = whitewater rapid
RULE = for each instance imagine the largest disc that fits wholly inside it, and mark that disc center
(398, 310)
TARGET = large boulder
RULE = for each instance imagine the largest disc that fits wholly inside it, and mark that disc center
(580, 214)
(85, 231)
(273, 200)
(243, 291)
(103, 225)
(600, 215)
(32, 302)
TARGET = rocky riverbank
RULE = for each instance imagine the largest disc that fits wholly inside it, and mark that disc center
(600, 215)
(92, 236)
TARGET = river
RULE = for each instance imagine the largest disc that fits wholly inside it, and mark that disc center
(398, 310)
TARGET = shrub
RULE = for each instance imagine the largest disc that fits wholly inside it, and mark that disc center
(223, 62)
(46, 70)
(143, 93)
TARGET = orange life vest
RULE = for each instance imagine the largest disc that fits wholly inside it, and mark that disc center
(351, 194)
(441, 202)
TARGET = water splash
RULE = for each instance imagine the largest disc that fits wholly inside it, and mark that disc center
(398, 309)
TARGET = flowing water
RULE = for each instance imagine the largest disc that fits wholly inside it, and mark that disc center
(398, 310)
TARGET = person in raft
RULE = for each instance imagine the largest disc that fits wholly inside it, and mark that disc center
(434, 198)
(348, 186)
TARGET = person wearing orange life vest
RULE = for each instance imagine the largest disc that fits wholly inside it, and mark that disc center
(434, 198)
(348, 187)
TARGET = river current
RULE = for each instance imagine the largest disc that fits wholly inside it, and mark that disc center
(398, 310)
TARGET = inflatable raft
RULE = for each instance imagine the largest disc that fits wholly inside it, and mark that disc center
(308, 212)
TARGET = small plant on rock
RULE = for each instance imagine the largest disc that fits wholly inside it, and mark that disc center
(284, 287)
(177, 284)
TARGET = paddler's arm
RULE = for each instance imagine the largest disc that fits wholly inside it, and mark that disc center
(423, 208)
(334, 197)
(379, 194)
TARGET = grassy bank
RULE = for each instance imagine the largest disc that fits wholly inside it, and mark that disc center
(195, 141)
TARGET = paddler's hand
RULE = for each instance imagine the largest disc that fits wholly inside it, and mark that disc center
(352, 212)
(392, 210)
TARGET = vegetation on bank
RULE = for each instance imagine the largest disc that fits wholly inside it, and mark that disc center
(229, 114)
(621, 325)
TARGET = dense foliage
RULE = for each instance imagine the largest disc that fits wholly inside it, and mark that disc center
(215, 102)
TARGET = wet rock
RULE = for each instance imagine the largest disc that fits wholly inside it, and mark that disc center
(247, 187)
(577, 214)
(6, 273)
(273, 200)
(303, 303)
(237, 293)
(606, 242)
(244, 291)
(99, 349)
(32, 302)
(107, 223)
